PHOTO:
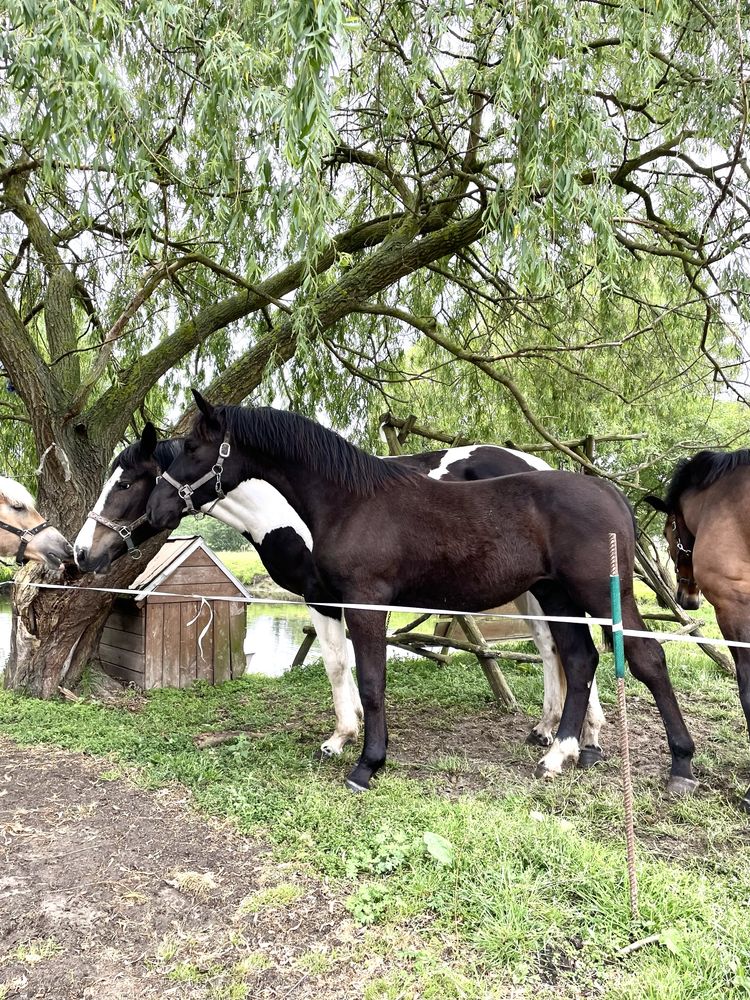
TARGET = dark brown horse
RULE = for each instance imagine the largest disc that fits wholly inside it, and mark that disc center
(385, 535)
(708, 532)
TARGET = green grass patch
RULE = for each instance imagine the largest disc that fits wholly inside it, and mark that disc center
(527, 879)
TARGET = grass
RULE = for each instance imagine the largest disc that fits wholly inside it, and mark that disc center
(515, 890)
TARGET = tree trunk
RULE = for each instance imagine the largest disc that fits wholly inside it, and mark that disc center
(56, 632)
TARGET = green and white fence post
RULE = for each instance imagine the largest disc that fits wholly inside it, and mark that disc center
(627, 782)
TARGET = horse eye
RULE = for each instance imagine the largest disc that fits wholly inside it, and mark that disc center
(17, 505)
(124, 486)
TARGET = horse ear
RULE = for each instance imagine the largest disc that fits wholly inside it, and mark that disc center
(657, 503)
(148, 439)
(202, 403)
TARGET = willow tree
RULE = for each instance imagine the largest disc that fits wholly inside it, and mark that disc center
(251, 192)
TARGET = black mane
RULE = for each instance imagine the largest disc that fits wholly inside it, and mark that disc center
(165, 453)
(702, 471)
(300, 440)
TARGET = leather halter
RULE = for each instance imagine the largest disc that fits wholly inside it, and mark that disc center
(125, 531)
(25, 534)
(680, 548)
(186, 490)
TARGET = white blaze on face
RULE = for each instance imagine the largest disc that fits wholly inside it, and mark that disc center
(16, 493)
(256, 507)
(85, 537)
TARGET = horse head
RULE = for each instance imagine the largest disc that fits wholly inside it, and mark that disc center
(680, 542)
(117, 522)
(204, 471)
(24, 534)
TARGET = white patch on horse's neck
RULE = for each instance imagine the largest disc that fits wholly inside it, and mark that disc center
(85, 537)
(462, 454)
(256, 507)
(16, 493)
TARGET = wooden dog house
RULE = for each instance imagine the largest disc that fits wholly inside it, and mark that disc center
(151, 640)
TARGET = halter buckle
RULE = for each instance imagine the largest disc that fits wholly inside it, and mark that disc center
(124, 532)
(185, 492)
(224, 449)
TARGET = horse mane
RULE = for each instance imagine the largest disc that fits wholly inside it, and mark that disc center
(308, 444)
(702, 471)
(164, 454)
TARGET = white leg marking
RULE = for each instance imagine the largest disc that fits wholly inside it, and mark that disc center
(554, 676)
(594, 720)
(557, 756)
(346, 701)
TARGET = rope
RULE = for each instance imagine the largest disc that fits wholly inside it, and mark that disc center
(622, 718)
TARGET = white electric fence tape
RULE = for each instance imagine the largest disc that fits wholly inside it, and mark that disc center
(238, 599)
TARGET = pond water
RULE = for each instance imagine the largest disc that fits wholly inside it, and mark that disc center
(274, 633)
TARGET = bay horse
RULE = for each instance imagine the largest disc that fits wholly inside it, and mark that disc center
(708, 534)
(117, 524)
(24, 534)
(385, 535)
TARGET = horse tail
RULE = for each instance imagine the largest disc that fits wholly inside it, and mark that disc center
(607, 638)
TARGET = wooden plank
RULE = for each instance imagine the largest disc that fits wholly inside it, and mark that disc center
(122, 640)
(188, 644)
(489, 665)
(171, 644)
(204, 661)
(127, 616)
(121, 673)
(153, 674)
(199, 558)
(237, 632)
(192, 590)
(125, 657)
(222, 650)
(199, 575)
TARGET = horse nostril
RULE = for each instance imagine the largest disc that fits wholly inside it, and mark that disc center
(81, 555)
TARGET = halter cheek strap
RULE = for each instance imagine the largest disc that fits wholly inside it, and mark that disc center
(25, 534)
(125, 531)
(186, 490)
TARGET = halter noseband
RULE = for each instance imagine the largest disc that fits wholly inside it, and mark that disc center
(680, 548)
(25, 534)
(125, 531)
(186, 490)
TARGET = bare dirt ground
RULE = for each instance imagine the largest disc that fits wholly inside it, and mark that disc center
(108, 891)
(112, 892)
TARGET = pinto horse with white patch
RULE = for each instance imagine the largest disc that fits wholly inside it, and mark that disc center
(118, 524)
(708, 535)
(24, 534)
(384, 535)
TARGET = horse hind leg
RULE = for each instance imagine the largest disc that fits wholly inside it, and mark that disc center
(648, 664)
(347, 706)
(555, 689)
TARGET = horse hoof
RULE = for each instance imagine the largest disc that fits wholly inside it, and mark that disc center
(354, 787)
(680, 788)
(540, 771)
(744, 803)
(536, 739)
(326, 751)
(590, 757)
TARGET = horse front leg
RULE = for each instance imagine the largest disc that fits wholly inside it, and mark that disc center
(367, 630)
(331, 633)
